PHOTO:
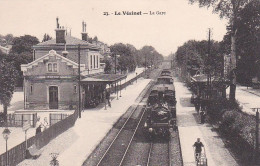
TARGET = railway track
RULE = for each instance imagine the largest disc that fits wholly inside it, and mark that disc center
(118, 149)
(159, 154)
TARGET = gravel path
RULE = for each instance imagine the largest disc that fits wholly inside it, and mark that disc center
(159, 154)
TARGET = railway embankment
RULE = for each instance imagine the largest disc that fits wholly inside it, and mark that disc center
(175, 152)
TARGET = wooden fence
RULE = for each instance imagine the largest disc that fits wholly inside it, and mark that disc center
(17, 153)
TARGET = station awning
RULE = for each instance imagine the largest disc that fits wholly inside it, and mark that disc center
(103, 78)
(199, 78)
(204, 78)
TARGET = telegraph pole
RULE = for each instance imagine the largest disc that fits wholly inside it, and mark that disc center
(79, 104)
(145, 64)
(209, 63)
(115, 64)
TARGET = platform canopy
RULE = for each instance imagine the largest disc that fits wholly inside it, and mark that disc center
(103, 78)
(199, 78)
(204, 78)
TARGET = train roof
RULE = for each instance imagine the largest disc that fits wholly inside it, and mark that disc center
(166, 70)
(165, 76)
(166, 86)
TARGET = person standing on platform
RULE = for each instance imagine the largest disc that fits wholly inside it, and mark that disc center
(38, 126)
(197, 103)
(45, 124)
(108, 98)
(202, 117)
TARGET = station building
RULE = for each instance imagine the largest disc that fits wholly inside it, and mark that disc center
(51, 80)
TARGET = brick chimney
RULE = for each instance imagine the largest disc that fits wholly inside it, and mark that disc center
(84, 33)
(60, 33)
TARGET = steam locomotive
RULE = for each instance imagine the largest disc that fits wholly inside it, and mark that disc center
(161, 106)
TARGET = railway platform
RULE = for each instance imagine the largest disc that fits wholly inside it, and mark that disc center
(190, 130)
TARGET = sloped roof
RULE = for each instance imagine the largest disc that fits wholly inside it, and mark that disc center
(203, 78)
(24, 67)
(168, 86)
(73, 41)
(106, 78)
(199, 78)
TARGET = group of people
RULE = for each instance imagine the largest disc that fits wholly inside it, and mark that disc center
(200, 107)
(40, 125)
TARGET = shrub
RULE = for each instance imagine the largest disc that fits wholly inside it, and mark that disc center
(234, 122)
(218, 107)
(237, 123)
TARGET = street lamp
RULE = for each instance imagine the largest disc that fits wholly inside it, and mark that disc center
(6, 134)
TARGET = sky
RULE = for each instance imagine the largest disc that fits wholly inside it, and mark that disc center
(180, 22)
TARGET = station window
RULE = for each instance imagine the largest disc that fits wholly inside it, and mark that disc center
(31, 89)
(49, 67)
(94, 61)
(52, 67)
(91, 62)
(55, 67)
(97, 61)
(75, 88)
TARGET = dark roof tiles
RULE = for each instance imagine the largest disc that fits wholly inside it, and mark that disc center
(69, 41)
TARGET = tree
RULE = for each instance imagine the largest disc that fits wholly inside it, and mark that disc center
(21, 53)
(24, 44)
(192, 56)
(248, 42)
(126, 59)
(149, 55)
(7, 82)
(16, 60)
(108, 66)
(6, 40)
(46, 37)
(230, 10)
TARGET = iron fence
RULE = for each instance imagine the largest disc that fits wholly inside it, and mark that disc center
(17, 120)
(56, 117)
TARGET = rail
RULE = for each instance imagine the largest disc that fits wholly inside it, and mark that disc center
(132, 137)
(120, 131)
(149, 154)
